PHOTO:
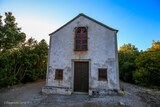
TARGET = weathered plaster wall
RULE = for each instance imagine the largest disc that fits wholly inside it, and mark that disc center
(101, 53)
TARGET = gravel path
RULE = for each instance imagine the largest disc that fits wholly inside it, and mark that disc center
(29, 95)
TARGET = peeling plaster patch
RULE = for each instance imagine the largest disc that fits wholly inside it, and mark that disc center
(111, 59)
(113, 84)
(68, 69)
(50, 69)
(50, 72)
(110, 66)
(70, 78)
(102, 85)
(92, 80)
(97, 64)
(65, 73)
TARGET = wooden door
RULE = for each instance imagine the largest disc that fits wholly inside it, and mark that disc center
(81, 77)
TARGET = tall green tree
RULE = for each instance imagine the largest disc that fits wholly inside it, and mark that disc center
(10, 34)
(127, 55)
(20, 61)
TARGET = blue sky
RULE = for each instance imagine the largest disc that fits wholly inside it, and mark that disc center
(138, 21)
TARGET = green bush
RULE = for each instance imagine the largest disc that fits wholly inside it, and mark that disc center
(148, 68)
(141, 77)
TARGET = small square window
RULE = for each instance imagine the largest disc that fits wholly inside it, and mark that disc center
(59, 74)
(102, 74)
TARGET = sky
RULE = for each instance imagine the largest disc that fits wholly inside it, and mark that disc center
(138, 21)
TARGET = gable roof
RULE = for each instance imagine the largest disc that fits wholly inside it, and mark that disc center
(81, 14)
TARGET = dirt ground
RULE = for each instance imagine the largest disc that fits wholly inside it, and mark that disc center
(29, 95)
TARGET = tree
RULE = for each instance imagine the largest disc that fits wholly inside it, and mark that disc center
(155, 46)
(127, 55)
(148, 66)
(0, 21)
(42, 51)
(20, 61)
(128, 48)
(10, 34)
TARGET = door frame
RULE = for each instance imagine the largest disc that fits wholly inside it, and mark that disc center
(89, 73)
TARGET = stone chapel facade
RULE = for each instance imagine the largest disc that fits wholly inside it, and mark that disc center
(82, 58)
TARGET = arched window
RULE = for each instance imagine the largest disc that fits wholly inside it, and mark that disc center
(81, 39)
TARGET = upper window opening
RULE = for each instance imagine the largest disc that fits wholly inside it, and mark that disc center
(81, 40)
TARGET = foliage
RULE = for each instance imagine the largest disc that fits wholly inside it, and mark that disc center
(148, 66)
(20, 60)
(127, 55)
(23, 65)
(10, 34)
(155, 46)
(128, 48)
(141, 68)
